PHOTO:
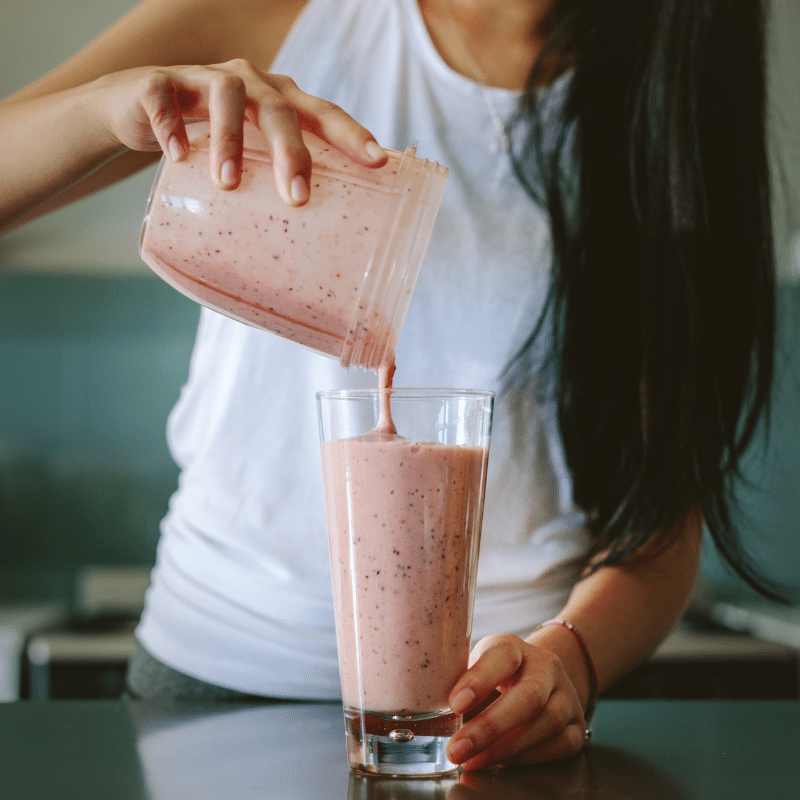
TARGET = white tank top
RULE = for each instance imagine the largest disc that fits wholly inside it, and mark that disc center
(241, 593)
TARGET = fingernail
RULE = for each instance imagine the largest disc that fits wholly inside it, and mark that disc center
(375, 151)
(227, 173)
(462, 700)
(299, 189)
(459, 750)
(175, 148)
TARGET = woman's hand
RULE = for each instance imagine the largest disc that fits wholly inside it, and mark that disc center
(144, 109)
(536, 717)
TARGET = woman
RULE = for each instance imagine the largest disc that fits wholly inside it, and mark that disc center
(600, 193)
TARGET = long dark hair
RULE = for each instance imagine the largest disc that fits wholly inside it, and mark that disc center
(660, 319)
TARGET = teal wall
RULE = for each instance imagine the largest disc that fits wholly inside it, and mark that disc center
(770, 496)
(89, 368)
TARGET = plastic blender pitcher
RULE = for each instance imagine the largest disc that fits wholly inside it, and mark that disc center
(335, 275)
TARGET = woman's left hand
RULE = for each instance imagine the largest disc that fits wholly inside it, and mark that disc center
(536, 717)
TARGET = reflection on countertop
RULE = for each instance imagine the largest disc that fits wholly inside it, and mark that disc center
(653, 749)
(598, 772)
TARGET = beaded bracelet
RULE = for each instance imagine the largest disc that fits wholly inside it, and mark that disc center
(589, 663)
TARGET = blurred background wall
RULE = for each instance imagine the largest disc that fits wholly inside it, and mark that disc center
(94, 349)
(93, 352)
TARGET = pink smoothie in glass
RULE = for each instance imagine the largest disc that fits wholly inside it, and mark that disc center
(404, 520)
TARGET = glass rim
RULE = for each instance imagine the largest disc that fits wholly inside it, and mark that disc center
(404, 392)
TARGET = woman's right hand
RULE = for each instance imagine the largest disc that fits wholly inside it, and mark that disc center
(103, 114)
(144, 109)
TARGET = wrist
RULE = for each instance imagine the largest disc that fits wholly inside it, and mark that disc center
(95, 101)
(563, 638)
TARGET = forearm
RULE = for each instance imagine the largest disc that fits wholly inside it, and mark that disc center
(49, 144)
(56, 132)
(624, 612)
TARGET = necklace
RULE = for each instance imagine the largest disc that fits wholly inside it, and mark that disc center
(501, 140)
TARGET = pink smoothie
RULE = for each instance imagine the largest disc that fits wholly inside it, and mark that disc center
(404, 521)
(298, 272)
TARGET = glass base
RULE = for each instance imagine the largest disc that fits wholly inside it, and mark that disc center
(366, 786)
(400, 745)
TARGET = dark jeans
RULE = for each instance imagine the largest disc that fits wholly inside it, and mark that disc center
(148, 679)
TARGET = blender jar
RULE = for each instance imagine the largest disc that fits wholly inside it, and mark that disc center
(335, 275)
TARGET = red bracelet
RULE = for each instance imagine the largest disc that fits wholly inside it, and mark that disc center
(589, 663)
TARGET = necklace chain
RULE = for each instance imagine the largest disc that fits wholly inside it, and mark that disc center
(501, 140)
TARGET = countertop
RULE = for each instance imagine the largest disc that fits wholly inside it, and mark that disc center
(130, 750)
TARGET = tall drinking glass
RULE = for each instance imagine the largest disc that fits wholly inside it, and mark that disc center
(404, 518)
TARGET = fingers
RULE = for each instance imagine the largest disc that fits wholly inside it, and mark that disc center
(237, 90)
(556, 731)
(159, 100)
(537, 717)
(284, 111)
(227, 94)
(331, 123)
(495, 661)
(568, 742)
(279, 123)
(145, 108)
(227, 100)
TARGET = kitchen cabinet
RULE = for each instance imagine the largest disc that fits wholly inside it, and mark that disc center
(693, 664)
(75, 659)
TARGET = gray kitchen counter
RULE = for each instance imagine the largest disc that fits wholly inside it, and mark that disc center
(131, 750)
